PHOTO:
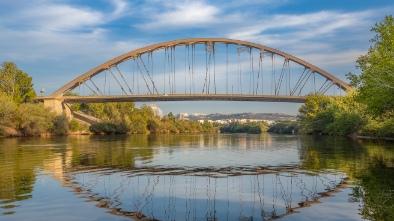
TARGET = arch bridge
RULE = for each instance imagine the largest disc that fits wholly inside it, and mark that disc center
(199, 69)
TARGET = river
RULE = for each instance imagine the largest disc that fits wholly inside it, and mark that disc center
(196, 177)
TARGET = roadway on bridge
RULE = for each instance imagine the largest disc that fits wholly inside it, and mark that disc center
(178, 97)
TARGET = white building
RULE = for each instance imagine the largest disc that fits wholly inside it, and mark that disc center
(183, 116)
(156, 111)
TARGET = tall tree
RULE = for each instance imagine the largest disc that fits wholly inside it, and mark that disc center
(376, 82)
(15, 83)
(7, 111)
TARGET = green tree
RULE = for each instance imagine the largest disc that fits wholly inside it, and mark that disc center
(183, 126)
(376, 82)
(168, 126)
(331, 115)
(284, 127)
(16, 83)
(146, 112)
(155, 125)
(60, 125)
(171, 117)
(381, 126)
(34, 119)
(95, 109)
(311, 114)
(74, 125)
(195, 126)
(138, 124)
(103, 127)
(7, 110)
(207, 127)
(7, 116)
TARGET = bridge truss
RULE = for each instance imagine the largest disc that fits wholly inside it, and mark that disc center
(202, 69)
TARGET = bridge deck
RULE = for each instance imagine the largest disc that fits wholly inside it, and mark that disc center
(178, 97)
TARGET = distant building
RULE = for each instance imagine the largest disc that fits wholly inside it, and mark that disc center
(198, 114)
(182, 116)
(202, 121)
(156, 111)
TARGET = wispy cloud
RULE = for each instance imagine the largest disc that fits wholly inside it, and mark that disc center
(160, 16)
(67, 39)
(49, 16)
(61, 17)
(316, 37)
(48, 30)
(275, 30)
(290, 27)
(184, 14)
(80, 35)
(121, 8)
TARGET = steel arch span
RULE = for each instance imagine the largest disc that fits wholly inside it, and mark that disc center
(195, 68)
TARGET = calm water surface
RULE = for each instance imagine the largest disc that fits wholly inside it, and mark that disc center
(196, 177)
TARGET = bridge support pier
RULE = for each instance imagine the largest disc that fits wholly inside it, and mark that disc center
(58, 106)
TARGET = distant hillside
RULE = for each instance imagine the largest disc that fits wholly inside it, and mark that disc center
(256, 116)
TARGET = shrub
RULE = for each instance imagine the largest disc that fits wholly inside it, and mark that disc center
(109, 128)
(60, 125)
(284, 127)
(74, 125)
(34, 119)
(103, 127)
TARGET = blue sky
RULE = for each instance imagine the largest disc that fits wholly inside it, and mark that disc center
(55, 41)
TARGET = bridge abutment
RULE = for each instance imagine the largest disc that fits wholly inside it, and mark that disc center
(58, 106)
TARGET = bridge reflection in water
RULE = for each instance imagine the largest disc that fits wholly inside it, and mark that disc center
(178, 177)
(206, 195)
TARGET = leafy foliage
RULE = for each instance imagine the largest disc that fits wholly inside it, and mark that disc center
(15, 83)
(125, 118)
(7, 111)
(311, 113)
(331, 115)
(376, 82)
(60, 125)
(109, 128)
(370, 110)
(381, 126)
(28, 119)
(284, 127)
(74, 126)
(249, 127)
(33, 119)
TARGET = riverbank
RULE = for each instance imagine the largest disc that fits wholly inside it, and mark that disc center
(275, 130)
(374, 138)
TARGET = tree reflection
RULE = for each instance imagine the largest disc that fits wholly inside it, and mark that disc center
(112, 151)
(369, 164)
(17, 170)
(376, 190)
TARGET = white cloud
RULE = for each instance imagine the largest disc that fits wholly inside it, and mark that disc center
(62, 34)
(48, 16)
(120, 8)
(45, 30)
(61, 40)
(293, 28)
(243, 3)
(184, 14)
(327, 60)
(62, 17)
(328, 39)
